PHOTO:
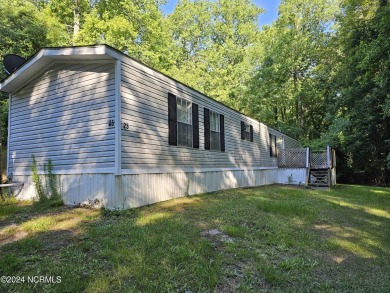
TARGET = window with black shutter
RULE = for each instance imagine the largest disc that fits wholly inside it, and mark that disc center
(183, 122)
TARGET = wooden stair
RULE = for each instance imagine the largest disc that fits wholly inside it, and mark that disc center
(319, 178)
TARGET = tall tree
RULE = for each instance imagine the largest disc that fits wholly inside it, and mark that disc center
(215, 41)
(23, 28)
(362, 91)
(70, 13)
(288, 89)
(134, 27)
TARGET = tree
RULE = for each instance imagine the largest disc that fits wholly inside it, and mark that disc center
(23, 28)
(136, 28)
(362, 91)
(70, 14)
(290, 84)
(214, 46)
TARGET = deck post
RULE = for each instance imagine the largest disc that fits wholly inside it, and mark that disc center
(329, 162)
(307, 166)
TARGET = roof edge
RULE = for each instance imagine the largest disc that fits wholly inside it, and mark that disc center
(54, 53)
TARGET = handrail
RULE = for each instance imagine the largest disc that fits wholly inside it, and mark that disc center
(11, 184)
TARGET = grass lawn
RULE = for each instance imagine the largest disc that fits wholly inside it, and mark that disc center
(267, 239)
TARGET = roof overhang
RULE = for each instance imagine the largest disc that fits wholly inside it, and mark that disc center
(45, 57)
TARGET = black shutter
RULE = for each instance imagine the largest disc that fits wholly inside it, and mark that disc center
(274, 150)
(172, 119)
(270, 144)
(251, 129)
(206, 129)
(242, 130)
(195, 126)
(222, 131)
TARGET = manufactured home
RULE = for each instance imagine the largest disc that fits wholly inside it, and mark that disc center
(123, 134)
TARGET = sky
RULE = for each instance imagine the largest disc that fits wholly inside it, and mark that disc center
(270, 7)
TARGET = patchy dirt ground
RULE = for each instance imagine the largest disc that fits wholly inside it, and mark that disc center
(56, 227)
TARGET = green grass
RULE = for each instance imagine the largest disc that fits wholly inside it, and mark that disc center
(268, 239)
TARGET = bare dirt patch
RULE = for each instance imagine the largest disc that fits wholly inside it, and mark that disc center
(215, 235)
(5, 239)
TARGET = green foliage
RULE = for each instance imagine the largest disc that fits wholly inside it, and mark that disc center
(291, 82)
(50, 188)
(53, 182)
(137, 28)
(4, 122)
(362, 91)
(23, 29)
(215, 46)
(36, 179)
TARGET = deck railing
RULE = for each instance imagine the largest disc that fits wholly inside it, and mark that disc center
(320, 165)
(305, 158)
(292, 158)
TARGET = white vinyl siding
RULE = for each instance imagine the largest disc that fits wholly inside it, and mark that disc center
(145, 144)
(63, 115)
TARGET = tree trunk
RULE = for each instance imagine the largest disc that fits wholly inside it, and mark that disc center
(296, 99)
(76, 20)
(302, 111)
(276, 113)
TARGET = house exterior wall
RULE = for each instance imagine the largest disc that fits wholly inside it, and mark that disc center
(104, 125)
(134, 190)
(63, 115)
(145, 146)
(141, 189)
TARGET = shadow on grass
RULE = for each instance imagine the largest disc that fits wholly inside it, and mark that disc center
(283, 238)
(11, 209)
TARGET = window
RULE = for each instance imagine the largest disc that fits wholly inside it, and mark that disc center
(184, 122)
(246, 131)
(272, 146)
(215, 131)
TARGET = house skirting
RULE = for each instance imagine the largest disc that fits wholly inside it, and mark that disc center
(134, 190)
